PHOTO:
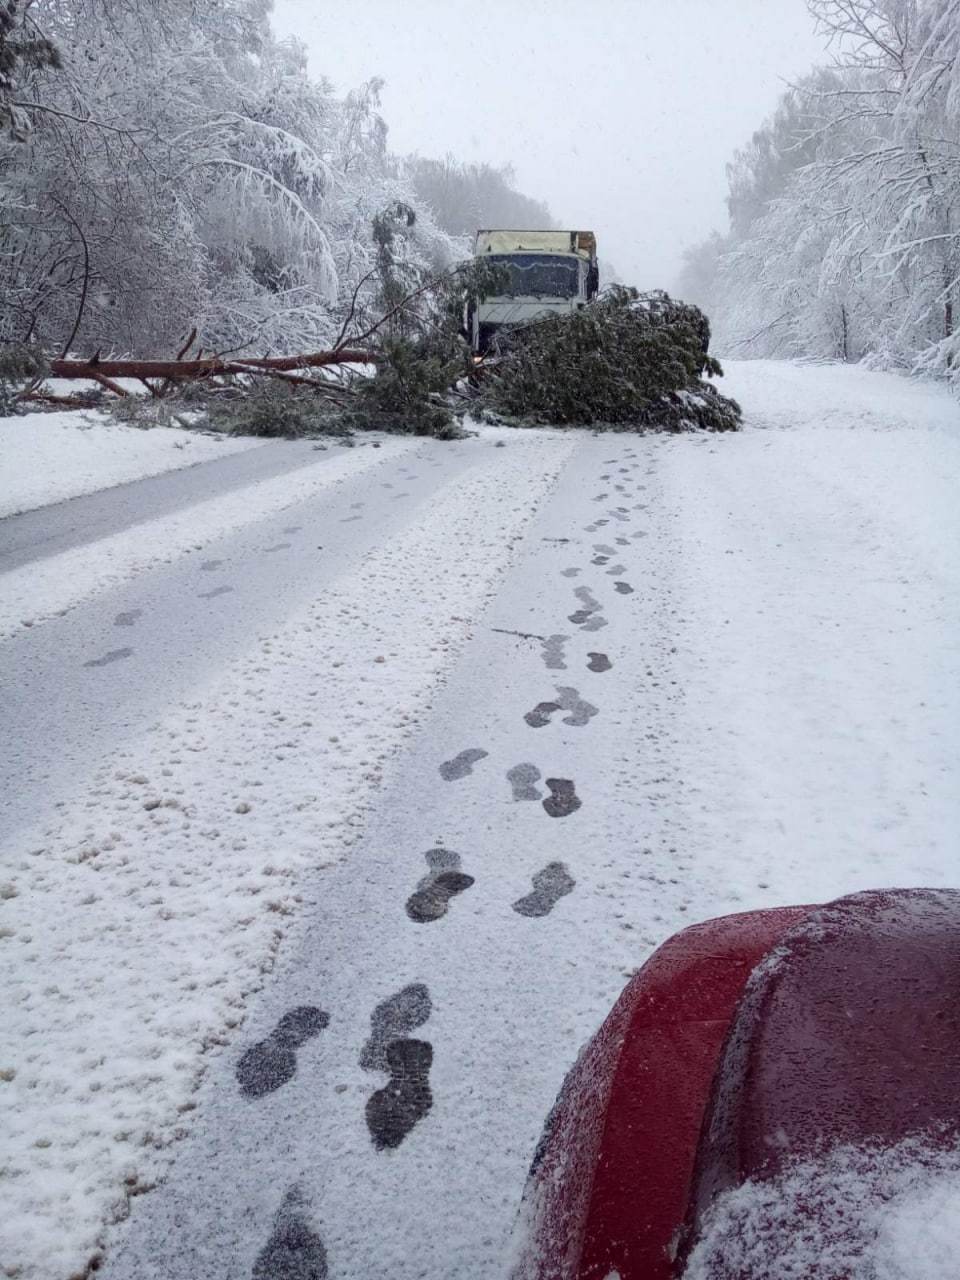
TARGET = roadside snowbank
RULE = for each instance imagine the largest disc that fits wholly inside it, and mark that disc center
(54, 586)
(138, 922)
(49, 457)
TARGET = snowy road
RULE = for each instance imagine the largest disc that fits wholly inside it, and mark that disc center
(379, 846)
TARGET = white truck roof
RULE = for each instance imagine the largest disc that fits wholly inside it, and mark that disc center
(582, 243)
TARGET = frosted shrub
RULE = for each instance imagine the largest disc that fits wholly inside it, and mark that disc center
(269, 407)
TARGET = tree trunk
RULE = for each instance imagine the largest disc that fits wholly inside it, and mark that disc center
(185, 369)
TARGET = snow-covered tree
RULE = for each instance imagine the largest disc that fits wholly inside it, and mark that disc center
(24, 48)
(845, 240)
(184, 172)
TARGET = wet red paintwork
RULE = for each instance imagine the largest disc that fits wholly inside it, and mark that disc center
(849, 1033)
(613, 1177)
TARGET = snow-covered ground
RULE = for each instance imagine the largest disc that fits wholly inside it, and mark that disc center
(776, 393)
(48, 457)
(752, 642)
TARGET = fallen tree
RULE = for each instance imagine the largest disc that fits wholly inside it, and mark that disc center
(628, 362)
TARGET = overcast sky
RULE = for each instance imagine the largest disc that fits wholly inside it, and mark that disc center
(621, 114)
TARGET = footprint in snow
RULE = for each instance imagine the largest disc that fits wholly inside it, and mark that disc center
(393, 1111)
(579, 711)
(442, 883)
(209, 565)
(587, 599)
(294, 1250)
(281, 546)
(598, 662)
(600, 560)
(394, 1019)
(595, 622)
(432, 902)
(589, 617)
(217, 591)
(541, 714)
(523, 779)
(624, 588)
(462, 765)
(273, 1062)
(293, 528)
(569, 573)
(604, 549)
(127, 619)
(615, 570)
(549, 886)
(114, 655)
(350, 519)
(563, 799)
(552, 652)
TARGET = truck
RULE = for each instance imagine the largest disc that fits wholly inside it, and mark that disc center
(546, 272)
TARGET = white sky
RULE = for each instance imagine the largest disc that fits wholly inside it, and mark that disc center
(621, 114)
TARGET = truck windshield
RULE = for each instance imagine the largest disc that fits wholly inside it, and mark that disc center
(538, 275)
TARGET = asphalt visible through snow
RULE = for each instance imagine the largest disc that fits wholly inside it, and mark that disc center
(46, 531)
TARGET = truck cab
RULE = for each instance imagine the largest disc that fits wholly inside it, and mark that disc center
(546, 272)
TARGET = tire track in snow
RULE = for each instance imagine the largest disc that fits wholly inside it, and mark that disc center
(51, 587)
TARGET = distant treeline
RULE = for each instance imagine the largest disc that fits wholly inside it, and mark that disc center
(466, 197)
(844, 237)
